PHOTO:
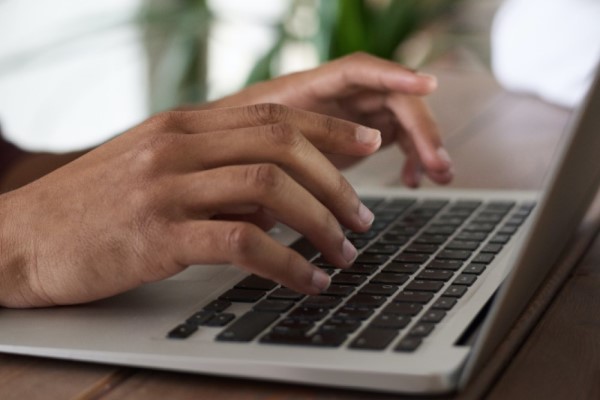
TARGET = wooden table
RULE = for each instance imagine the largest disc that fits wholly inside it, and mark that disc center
(498, 140)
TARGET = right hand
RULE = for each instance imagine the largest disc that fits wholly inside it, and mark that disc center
(149, 203)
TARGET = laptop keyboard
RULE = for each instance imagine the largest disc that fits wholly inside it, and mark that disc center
(414, 264)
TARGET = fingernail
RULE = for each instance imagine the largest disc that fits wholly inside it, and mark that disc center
(444, 156)
(320, 280)
(365, 215)
(349, 251)
(431, 78)
(368, 136)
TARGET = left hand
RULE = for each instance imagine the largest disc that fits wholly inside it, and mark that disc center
(369, 91)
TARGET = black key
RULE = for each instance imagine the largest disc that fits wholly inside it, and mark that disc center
(501, 239)
(500, 205)
(359, 243)
(378, 226)
(366, 300)
(182, 331)
(452, 220)
(463, 245)
(413, 297)
(422, 248)
(320, 339)
(389, 278)
(474, 268)
(247, 327)
(472, 236)
(220, 319)
(421, 329)
(292, 326)
(379, 289)
(338, 290)
(455, 291)
(411, 258)
(371, 202)
(390, 321)
(453, 255)
(305, 248)
(285, 294)
(387, 216)
(217, 305)
(328, 338)
(382, 248)
(374, 339)
(418, 285)
(431, 239)
(493, 218)
(322, 262)
(435, 275)
(372, 259)
(483, 258)
(200, 318)
(348, 279)
(493, 248)
(390, 238)
(434, 204)
(433, 316)
(515, 220)
(409, 309)
(508, 229)
(321, 301)
(362, 235)
(242, 295)
(357, 313)
(272, 305)
(403, 203)
(465, 279)
(409, 344)
(440, 230)
(341, 325)
(466, 204)
(404, 268)
(481, 227)
(444, 303)
(308, 313)
(452, 265)
(256, 283)
(361, 269)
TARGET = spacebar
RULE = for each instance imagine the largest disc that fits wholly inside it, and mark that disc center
(245, 328)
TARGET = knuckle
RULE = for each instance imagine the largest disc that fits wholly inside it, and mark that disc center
(267, 113)
(263, 177)
(151, 150)
(165, 119)
(358, 57)
(284, 135)
(241, 239)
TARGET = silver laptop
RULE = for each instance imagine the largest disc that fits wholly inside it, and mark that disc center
(440, 279)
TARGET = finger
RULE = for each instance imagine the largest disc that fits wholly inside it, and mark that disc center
(327, 133)
(287, 147)
(416, 119)
(259, 218)
(266, 187)
(359, 71)
(246, 246)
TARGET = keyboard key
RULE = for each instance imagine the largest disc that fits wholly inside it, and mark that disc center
(444, 303)
(359, 243)
(293, 326)
(371, 202)
(321, 301)
(305, 248)
(217, 305)
(474, 268)
(465, 279)
(409, 344)
(433, 316)
(200, 318)
(435, 275)
(285, 294)
(418, 285)
(413, 297)
(220, 319)
(500, 205)
(309, 313)
(357, 313)
(379, 289)
(408, 309)
(390, 321)
(396, 239)
(493, 248)
(483, 258)
(440, 230)
(389, 278)
(500, 239)
(431, 239)
(247, 327)
(455, 291)
(411, 258)
(453, 255)
(361, 269)
(366, 300)
(362, 235)
(508, 229)
(452, 265)
(272, 305)
(242, 295)
(404, 268)
(348, 279)
(421, 329)
(382, 248)
(472, 236)
(341, 325)
(256, 283)
(338, 290)
(463, 245)
(421, 248)
(372, 259)
(374, 339)
(320, 339)
(182, 331)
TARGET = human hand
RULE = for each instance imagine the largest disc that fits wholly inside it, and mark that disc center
(370, 91)
(182, 188)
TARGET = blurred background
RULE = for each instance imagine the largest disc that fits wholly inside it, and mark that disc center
(75, 73)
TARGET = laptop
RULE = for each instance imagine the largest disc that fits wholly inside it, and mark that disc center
(439, 280)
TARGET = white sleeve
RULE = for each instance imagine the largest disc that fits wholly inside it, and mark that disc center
(549, 48)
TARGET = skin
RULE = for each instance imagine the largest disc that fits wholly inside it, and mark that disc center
(200, 185)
